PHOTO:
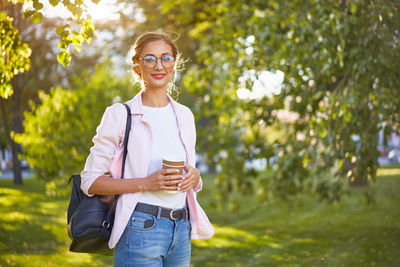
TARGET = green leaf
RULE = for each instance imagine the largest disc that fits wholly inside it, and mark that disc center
(78, 40)
(37, 5)
(70, 6)
(64, 58)
(87, 29)
(38, 17)
(353, 8)
(62, 44)
(29, 13)
(77, 12)
(61, 29)
(6, 90)
(54, 2)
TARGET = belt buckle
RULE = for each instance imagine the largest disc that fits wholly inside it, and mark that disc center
(171, 214)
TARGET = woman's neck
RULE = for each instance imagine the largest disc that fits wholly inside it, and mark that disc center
(155, 97)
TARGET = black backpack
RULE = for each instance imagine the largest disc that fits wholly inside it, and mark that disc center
(90, 219)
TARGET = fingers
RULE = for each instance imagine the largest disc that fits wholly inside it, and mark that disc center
(187, 168)
(169, 171)
(171, 177)
(191, 172)
(170, 186)
(185, 187)
(187, 182)
(170, 182)
(174, 182)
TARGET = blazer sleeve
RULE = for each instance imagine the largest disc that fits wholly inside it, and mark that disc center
(109, 135)
(199, 186)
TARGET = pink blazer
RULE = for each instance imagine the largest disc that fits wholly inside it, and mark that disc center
(106, 156)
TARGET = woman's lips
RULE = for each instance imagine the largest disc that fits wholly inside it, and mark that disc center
(158, 75)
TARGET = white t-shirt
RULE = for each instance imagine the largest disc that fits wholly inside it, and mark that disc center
(166, 142)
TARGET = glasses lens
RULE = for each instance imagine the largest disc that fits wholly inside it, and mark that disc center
(168, 61)
(149, 61)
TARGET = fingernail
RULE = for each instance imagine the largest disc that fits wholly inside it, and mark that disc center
(179, 185)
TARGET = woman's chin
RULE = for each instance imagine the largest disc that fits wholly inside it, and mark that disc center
(157, 85)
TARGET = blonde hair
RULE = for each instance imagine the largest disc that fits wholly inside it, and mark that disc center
(147, 38)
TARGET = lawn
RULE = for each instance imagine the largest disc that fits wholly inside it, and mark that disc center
(309, 232)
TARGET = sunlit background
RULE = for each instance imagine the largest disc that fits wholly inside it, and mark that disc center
(297, 114)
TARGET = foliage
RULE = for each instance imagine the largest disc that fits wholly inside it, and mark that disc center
(44, 73)
(68, 33)
(15, 55)
(73, 33)
(341, 86)
(33, 230)
(57, 132)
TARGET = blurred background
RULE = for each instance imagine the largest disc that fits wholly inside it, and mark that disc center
(297, 108)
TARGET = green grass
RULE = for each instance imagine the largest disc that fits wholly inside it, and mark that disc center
(306, 233)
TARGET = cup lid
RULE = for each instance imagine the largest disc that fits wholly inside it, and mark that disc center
(173, 158)
(176, 165)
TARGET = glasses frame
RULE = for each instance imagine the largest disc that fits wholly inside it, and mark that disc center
(155, 62)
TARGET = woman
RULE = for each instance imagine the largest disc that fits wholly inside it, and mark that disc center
(157, 212)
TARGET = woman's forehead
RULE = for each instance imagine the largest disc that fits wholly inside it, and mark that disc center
(156, 48)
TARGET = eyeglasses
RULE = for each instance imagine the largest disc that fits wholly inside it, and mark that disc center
(151, 61)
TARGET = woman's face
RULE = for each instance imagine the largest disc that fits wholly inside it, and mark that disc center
(158, 76)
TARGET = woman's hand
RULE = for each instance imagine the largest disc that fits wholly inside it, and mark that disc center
(190, 179)
(165, 179)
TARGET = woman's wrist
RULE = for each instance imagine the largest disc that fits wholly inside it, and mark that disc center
(142, 184)
(135, 185)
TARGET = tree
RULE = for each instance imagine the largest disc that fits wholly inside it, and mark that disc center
(58, 130)
(341, 80)
(70, 37)
(17, 59)
(15, 54)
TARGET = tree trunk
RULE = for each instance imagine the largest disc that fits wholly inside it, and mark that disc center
(16, 150)
(11, 111)
(368, 147)
(16, 126)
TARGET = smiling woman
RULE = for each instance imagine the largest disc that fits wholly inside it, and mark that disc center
(157, 206)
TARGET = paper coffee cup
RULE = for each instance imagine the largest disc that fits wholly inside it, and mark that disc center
(173, 164)
(170, 164)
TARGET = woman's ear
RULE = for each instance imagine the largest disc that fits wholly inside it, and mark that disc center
(136, 70)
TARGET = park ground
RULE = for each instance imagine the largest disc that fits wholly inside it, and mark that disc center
(305, 232)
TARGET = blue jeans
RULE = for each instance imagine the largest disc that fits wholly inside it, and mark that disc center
(157, 242)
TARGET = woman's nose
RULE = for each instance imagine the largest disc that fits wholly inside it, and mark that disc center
(158, 65)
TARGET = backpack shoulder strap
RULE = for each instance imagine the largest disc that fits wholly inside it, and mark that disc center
(126, 137)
